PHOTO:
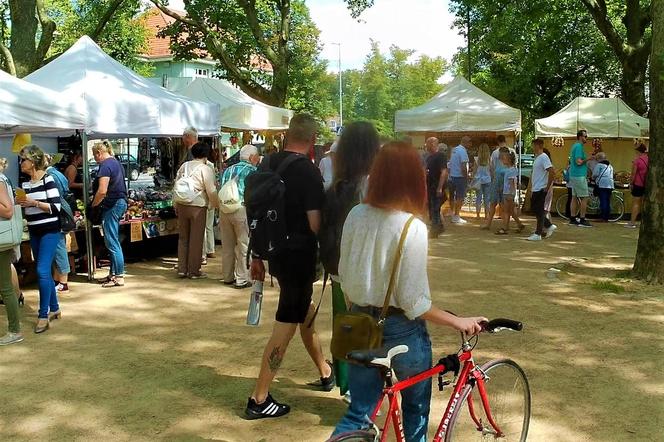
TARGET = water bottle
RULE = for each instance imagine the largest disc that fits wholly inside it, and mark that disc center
(255, 302)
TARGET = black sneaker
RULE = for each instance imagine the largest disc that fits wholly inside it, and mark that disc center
(269, 408)
(573, 222)
(325, 384)
(584, 223)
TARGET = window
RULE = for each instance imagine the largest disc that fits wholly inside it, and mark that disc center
(202, 73)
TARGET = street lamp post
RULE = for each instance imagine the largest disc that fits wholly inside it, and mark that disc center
(341, 93)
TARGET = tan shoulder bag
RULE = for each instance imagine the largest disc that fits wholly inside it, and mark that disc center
(360, 331)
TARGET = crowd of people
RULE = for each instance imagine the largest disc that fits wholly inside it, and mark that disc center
(350, 214)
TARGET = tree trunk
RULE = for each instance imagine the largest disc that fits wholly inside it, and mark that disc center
(23, 42)
(633, 82)
(649, 262)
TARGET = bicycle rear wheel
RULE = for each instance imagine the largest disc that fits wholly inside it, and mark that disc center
(561, 206)
(509, 401)
(355, 436)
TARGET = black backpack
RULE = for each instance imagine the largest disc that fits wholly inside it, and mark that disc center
(264, 199)
(339, 200)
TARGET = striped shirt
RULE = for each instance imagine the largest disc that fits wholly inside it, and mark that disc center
(44, 191)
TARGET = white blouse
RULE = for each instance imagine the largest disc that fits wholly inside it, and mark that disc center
(368, 246)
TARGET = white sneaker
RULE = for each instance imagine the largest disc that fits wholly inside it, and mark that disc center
(11, 338)
(534, 237)
(630, 226)
(455, 219)
(462, 221)
(548, 232)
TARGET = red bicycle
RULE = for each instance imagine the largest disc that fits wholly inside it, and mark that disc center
(499, 386)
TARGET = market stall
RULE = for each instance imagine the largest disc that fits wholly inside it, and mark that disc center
(117, 103)
(460, 109)
(612, 127)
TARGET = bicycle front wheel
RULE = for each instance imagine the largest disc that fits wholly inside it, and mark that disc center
(509, 403)
(356, 436)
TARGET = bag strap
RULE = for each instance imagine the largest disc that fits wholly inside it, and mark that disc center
(397, 258)
(290, 159)
(313, 318)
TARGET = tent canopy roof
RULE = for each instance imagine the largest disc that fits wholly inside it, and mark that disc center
(119, 102)
(600, 117)
(26, 107)
(460, 107)
(238, 110)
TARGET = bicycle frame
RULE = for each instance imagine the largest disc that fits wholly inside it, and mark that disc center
(470, 372)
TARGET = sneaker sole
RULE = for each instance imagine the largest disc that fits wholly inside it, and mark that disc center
(251, 415)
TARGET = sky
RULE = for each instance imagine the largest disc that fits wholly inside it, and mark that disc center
(421, 25)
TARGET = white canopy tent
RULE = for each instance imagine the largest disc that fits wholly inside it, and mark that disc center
(600, 117)
(26, 107)
(460, 107)
(238, 110)
(119, 102)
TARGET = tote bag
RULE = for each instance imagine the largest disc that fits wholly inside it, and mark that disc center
(11, 230)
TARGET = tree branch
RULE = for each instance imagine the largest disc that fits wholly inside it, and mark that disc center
(597, 9)
(9, 59)
(47, 31)
(249, 7)
(216, 48)
(112, 8)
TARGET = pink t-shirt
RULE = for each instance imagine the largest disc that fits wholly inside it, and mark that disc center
(641, 170)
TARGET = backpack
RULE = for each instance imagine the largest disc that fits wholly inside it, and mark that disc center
(184, 189)
(264, 199)
(66, 215)
(229, 196)
(11, 230)
(339, 200)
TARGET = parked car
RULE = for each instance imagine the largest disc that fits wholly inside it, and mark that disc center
(128, 162)
(527, 161)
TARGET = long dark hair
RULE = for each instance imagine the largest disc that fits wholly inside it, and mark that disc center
(356, 151)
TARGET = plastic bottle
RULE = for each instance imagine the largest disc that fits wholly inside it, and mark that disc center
(255, 303)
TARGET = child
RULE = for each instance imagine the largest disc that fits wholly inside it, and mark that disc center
(509, 193)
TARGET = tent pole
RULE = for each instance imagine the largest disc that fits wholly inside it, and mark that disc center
(86, 201)
(518, 140)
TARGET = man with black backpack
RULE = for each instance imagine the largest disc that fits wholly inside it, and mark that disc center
(284, 199)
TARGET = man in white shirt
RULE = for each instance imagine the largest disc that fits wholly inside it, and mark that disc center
(459, 178)
(542, 180)
(326, 168)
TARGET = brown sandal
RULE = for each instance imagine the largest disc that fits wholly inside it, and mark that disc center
(112, 282)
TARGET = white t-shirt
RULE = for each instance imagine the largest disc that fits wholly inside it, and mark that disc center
(325, 167)
(540, 176)
(368, 246)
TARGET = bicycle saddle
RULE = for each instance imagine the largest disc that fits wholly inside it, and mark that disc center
(376, 358)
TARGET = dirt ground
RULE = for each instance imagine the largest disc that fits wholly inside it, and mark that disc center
(166, 359)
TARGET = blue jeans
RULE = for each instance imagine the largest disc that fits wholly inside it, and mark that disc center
(605, 203)
(110, 224)
(61, 256)
(43, 249)
(365, 384)
(483, 196)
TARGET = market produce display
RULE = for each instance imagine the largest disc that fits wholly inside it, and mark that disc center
(149, 203)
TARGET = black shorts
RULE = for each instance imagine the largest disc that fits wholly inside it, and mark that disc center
(295, 271)
(638, 191)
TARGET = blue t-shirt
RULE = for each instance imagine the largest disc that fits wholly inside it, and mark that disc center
(459, 156)
(510, 177)
(117, 189)
(574, 169)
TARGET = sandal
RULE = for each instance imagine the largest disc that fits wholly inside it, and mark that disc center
(520, 228)
(113, 282)
(105, 280)
(501, 231)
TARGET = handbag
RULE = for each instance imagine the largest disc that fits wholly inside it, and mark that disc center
(596, 184)
(11, 230)
(66, 217)
(361, 331)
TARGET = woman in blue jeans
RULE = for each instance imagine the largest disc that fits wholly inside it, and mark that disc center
(111, 194)
(368, 246)
(42, 208)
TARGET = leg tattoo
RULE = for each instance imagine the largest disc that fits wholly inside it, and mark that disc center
(274, 360)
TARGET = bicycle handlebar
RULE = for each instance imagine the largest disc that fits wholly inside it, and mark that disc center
(495, 325)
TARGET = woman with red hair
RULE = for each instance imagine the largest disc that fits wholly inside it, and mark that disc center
(397, 192)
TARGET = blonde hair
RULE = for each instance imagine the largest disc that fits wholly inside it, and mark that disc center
(3, 164)
(103, 146)
(36, 155)
(483, 155)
